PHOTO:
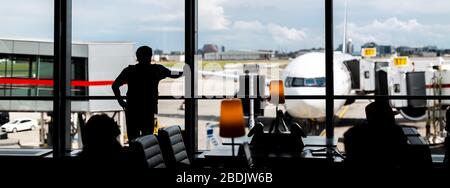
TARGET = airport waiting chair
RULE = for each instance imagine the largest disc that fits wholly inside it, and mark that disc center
(248, 155)
(173, 147)
(148, 152)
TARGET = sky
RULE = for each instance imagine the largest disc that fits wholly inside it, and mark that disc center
(283, 25)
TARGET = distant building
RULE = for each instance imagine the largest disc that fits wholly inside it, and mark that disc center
(176, 53)
(382, 50)
(430, 48)
(158, 52)
(427, 51)
(176, 58)
(349, 48)
(405, 51)
(240, 55)
(385, 50)
(429, 54)
(210, 48)
(305, 51)
(92, 62)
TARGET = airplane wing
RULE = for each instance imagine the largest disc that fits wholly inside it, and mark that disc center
(223, 74)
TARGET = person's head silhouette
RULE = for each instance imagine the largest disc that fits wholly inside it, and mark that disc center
(100, 131)
(380, 113)
(144, 54)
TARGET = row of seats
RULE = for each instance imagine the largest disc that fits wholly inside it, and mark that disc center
(167, 150)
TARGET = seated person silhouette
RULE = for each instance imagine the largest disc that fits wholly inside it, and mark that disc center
(142, 95)
(100, 145)
(379, 143)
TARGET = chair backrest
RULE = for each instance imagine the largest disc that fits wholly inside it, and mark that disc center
(147, 147)
(173, 147)
(248, 155)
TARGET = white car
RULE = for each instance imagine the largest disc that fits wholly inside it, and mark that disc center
(19, 125)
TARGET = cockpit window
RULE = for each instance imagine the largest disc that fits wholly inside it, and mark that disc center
(298, 82)
(320, 82)
(310, 82)
(305, 82)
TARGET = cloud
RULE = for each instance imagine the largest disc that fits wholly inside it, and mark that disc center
(169, 17)
(248, 25)
(395, 31)
(283, 35)
(211, 15)
(162, 29)
(399, 6)
(273, 33)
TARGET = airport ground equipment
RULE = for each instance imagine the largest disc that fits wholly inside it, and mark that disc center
(251, 90)
(402, 78)
(439, 78)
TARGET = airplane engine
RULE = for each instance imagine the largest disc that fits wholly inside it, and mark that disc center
(414, 114)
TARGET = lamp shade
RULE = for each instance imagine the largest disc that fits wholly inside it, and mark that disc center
(276, 88)
(232, 119)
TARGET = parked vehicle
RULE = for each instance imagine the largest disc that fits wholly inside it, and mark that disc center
(19, 125)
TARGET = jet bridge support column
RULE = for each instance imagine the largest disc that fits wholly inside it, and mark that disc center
(436, 114)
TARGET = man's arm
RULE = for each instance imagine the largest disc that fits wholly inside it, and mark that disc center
(170, 74)
(120, 80)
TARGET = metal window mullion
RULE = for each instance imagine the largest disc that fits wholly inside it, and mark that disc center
(329, 55)
(190, 100)
(61, 77)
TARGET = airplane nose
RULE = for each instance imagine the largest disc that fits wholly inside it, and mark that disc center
(306, 108)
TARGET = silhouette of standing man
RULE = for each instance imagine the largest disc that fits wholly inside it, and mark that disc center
(142, 95)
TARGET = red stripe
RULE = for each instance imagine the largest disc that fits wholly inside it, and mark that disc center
(26, 82)
(49, 83)
(443, 86)
(78, 83)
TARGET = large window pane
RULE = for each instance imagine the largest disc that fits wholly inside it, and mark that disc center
(411, 44)
(282, 40)
(232, 41)
(25, 39)
(108, 33)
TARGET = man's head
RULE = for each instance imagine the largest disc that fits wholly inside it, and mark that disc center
(100, 130)
(144, 54)
(380, 113)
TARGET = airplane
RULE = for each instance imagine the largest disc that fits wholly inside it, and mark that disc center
(305, 76)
